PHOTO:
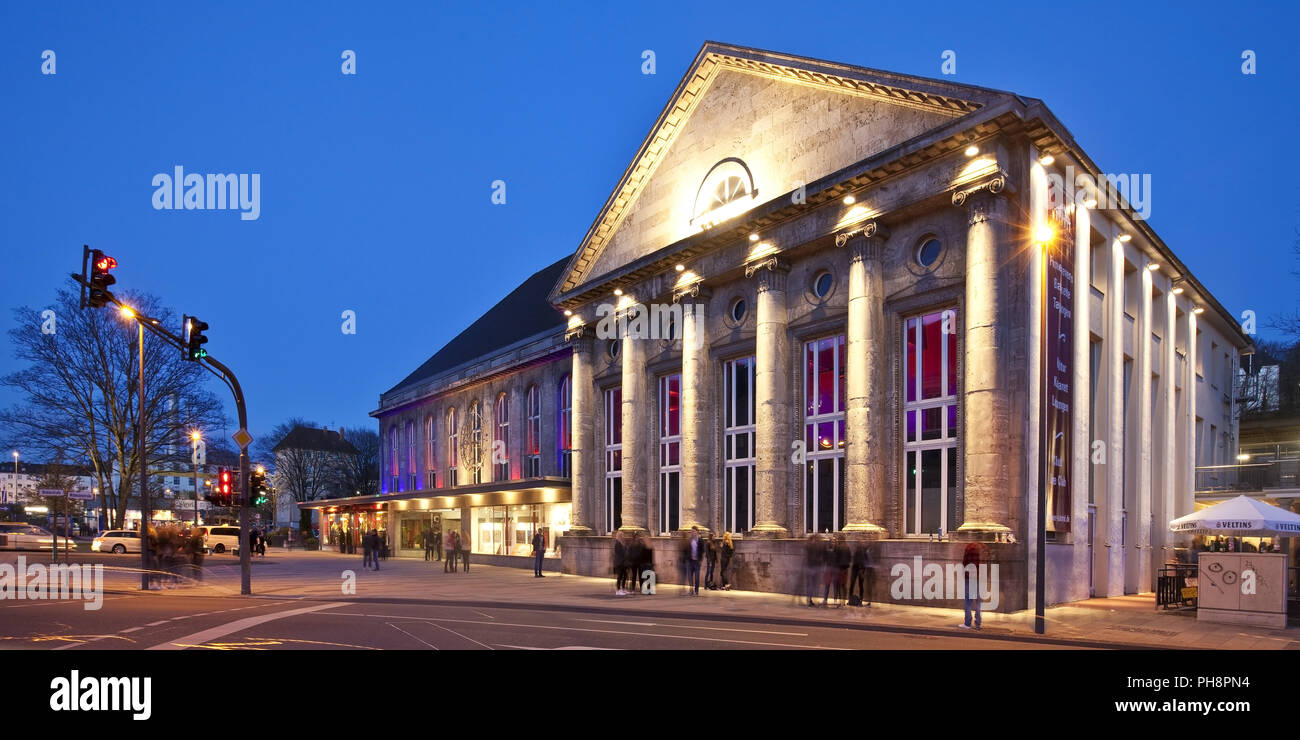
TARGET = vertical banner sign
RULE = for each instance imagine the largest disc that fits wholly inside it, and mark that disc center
(1057, 409)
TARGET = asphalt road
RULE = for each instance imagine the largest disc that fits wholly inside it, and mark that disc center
(165, 621)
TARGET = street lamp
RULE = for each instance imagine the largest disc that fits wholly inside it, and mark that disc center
(128, 313)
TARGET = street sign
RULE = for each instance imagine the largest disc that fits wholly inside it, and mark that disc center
(52, 492)
(242, 438)
(82, 495)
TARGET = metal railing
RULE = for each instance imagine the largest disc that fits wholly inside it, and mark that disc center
(1249, 477)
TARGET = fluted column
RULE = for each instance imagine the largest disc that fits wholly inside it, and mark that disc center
(1142, 548)
(985, 386)
(697, 401)
(582, 420)
(865, 391)
(772, 396)
(1185, 500)
(1114, 516)
(636, 427)
(1081, 470)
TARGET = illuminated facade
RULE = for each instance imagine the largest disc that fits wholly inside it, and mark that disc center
(813, 303)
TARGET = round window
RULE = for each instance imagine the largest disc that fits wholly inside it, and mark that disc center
(738, 310)
(822, 284)
(928, 252)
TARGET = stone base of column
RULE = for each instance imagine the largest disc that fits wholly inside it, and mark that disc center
(980, 532)
(579, 531)
(633, 529)
(686, 530)
(865, 531)
(768, 531)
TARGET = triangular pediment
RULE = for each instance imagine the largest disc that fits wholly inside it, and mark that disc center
(746, 126)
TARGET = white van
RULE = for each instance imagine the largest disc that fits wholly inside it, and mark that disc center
(221, 538)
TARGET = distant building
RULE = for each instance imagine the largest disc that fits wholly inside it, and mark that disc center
(305, 468)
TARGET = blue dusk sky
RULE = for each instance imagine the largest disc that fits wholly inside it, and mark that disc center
(375, 188)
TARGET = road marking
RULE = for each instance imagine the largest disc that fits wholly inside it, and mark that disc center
(131, 629)
(566, 647)
(585, 629)
(198, 638)
(155, 624)
(481, 614)
(619, 621)
(408, 634)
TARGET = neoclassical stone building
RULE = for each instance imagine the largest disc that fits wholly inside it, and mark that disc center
(814, 302)
(861, 258)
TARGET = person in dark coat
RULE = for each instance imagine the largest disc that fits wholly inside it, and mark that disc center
(711, 562)
(376, 547)
(449, 565)
(539, 549)
(812, 566)
(429, 544)
(635, 561)
(462, 549)
(861, 576)
(694, 551)
(620, 564)
(367, 550)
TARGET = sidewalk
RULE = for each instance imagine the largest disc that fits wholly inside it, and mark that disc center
(1120, 622)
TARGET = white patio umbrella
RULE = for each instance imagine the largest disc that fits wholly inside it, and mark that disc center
(1242, 516)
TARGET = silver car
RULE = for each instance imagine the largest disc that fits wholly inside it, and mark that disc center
(21, 536)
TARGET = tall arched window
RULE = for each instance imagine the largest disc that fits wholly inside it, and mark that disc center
(501, 440)
(430, 454)
(394, 475)
(564, 438)
(475, 461)
(453, 439)
(533, 449)
(412, 472)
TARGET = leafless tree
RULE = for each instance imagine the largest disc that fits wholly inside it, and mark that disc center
(300, 475)
(80, 389)
(359, 474)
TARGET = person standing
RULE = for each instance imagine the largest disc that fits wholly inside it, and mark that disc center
(620, 564)
(462, 550)
(970, 566)
(376, 547)
(437, 537)
(694, 557)
(428, 544)
(843, 559)
(449, 565)
(711, 562)
(728, 550)
(860, 578)
(366, 551)
(812, 566)
(539, 549)
(635, 555)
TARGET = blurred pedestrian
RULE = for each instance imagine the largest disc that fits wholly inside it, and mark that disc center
(647, 571)
(539, 549)
(695, 547)
(449, 565)
(635, 553)
(812, 566)
(620, 564)
(430, 542)
(861, 577)
(366, 551)
(970, 566)
(711, 560)
(376, 546)
(462, 549)
(829, 570)
(728, 550)
(843, 559)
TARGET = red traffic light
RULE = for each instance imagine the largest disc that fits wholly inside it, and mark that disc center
(105, 263)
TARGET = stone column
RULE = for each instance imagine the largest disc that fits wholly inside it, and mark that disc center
(1185, 502)
(1114, 515)
(1081, 455)
(637, 428)
(987, 411)
(697, 403)
(772, 401)
(1142, 545)
(865, 390)
(582, 455)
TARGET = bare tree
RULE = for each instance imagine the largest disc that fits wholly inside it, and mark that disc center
(301, 474)
(1289, 323)
(359, 474)
(81, 393)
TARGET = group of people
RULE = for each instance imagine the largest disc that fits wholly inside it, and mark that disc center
(831, 566)
(707, 551)
(633, 556)
(372, 547)
(457, 552)
(256, 543)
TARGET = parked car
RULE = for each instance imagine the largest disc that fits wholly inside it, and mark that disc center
(21, 536)
(117, 541)
(221, 538)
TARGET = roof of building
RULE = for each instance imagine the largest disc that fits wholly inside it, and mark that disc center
(322, 440)
(526, 311)
(41, 469)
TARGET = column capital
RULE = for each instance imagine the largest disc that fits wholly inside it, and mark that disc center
(696, 289)
(580, 336)
(771, 273)
(866, 242)
(982, 197)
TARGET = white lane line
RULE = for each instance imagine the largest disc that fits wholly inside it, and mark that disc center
(736, 629)
(408, 634)
(130, 629)
(155, 624)
(619, 621)
(463, 637)
(566, 647)
(207, 635)
(585, 629)
(481, 614)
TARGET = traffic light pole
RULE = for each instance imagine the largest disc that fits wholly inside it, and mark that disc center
(245, 578)
(141, 450)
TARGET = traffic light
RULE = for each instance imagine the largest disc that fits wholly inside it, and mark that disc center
(194, 339)
(100, 264)
(223, 487)
(258, 490)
